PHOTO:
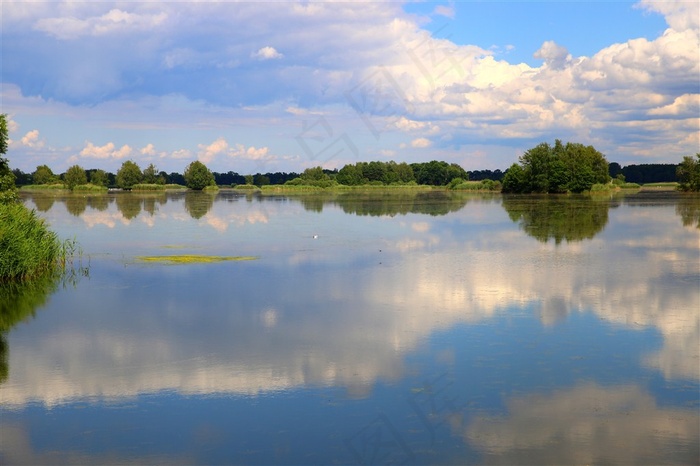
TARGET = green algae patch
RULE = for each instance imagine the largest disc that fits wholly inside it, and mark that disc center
(192, 259)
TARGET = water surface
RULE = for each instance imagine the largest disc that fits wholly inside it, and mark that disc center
(372, 329)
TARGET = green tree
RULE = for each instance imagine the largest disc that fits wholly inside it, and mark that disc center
(514, 180)
(198, 176)
(350, 175)
(128, 175)
(75, 176)
(314, 174)
(8, 190)
(99, 177)
(570, 167)
(688, 173)
(43, 175)
(151, 175)
(249, 179)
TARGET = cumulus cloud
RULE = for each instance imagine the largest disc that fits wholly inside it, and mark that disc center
(108, 151)
(115, 20)
(399, 75)
(679, 14)
(208, 152)
(250, 153)
(420, 143)
(149, 149)
(31, 140)
(267, 53)
(554, 56)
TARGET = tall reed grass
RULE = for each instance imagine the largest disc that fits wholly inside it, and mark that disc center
(28, 249)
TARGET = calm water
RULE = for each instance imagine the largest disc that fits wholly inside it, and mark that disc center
(413, 329)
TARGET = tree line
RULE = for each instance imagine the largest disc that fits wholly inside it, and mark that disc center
(562, 167)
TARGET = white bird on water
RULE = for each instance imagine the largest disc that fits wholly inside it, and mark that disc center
(315, 236)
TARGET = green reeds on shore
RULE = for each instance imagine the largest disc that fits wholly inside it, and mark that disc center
(28, 249)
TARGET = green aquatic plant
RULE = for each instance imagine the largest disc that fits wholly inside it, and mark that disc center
(192, 259)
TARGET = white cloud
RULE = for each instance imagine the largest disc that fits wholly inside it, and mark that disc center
(208, 152)
(267, 53)
(680, 14)
(113, 21)
(31, 140)
(108, 151)
(445, 10)
(250, 153)
(149, 149)
(420, 143)
(554, 56)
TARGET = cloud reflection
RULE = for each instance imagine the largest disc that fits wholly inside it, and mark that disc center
(588, 424)
(338, 312)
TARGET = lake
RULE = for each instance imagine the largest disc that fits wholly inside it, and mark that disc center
(370, 328)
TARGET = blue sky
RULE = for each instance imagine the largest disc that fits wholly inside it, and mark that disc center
(282, 86)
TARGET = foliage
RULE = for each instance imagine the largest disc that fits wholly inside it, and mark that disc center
(152, 176)
(8, 190)
(458, 184)
(75, 176)
(128, 175)
(197, 176)
(99, 177)
(689, 173)
(314, 174)
(437, 173)
(43, 175)
(27, 247)
(557, 169)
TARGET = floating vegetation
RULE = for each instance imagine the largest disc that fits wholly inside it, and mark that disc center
(193, 259)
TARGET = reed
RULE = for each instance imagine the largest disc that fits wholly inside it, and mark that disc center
(28, 249)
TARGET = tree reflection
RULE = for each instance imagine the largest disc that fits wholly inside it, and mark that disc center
(99, 202)
(560, 218)
(688, 208)
(129, 205)
(76, 204)
(43, 203)
(389, 203)
(199, 203)
(19, 301)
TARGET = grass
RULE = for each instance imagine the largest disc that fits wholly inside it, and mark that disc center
(37, 187)
(148, 187)
(90, 187)
(28, 249)
(192, 259)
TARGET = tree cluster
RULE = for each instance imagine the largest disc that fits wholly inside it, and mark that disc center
(570, 167)
(688, 173)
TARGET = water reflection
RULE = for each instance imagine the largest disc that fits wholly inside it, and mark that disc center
(19, 301)
(570, 218)
(198, 204)
(588, 424)
(555, 349)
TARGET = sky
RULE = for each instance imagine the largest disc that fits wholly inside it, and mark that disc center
(256, 87)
